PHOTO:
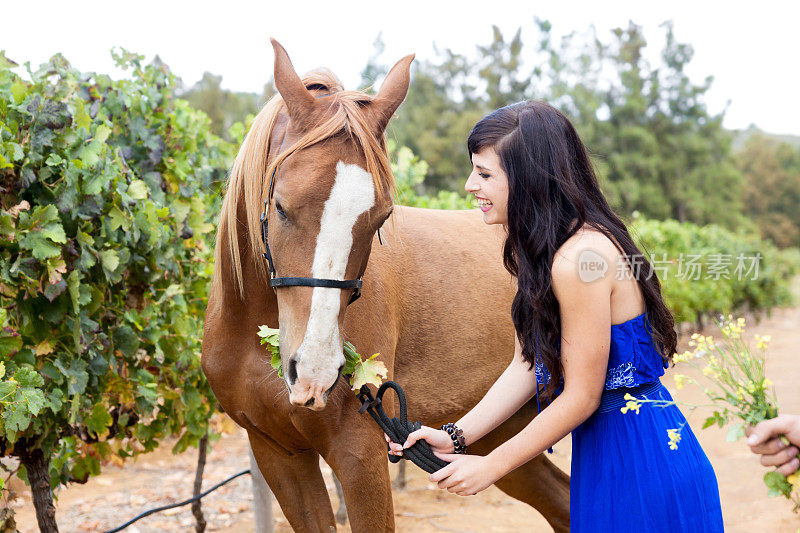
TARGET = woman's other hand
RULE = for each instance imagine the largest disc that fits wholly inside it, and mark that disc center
(466, 475)
(438, 440)
(764, 439)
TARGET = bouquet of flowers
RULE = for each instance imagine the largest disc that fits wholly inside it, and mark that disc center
(738, 390)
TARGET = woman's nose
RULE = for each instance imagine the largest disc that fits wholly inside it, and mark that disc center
(469, 186)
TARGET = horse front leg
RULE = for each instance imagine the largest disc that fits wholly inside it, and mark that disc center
(298, 485)
(357, 456)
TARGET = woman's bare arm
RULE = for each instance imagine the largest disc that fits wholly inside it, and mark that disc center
(585, 310)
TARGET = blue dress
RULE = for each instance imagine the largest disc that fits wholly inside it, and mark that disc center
(625, 478)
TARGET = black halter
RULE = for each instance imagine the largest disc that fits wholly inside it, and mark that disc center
(275, 282)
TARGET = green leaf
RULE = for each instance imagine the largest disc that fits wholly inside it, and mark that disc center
(82, 118)
(137, 190)
(41, 248)
(53, 160)
(370, 371)
(735, 433)
(99, 420)
(34, 399)
(117, 219)
(89, 153)
(275, 362)
(43, 214)
(76, 375)
(19, 90)
(777, 484)
(710, 421)
(94, 183)
(9, 344)
(16, 418)
(54, 232)
(7, 388)
(351, 359)
(109, 259)
(73, 285)
(126, 341)
(26, 376)
(271, 338)
(101, 133)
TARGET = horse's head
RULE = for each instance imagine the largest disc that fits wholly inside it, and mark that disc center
(332, 191)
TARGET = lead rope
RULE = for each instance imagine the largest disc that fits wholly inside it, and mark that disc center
(398, 429)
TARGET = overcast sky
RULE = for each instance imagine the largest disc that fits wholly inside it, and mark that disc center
(751, 48)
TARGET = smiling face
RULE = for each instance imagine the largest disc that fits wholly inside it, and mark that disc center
(489, 184)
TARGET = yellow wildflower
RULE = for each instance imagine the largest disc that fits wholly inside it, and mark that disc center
(762, 343)
(632, 404)
(674, 438)
(740, 322)
(767, 382)
(708, 371)
(679, 380)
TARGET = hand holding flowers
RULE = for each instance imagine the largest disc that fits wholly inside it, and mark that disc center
(737, 388)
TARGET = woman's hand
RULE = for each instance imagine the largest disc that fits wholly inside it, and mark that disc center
(438, 440)
(466, 474)
(765, 439)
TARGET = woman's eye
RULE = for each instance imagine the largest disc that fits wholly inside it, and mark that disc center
(483, 175)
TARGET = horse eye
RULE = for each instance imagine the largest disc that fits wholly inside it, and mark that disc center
(279, 209)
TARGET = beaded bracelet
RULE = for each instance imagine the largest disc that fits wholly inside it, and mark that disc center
(455, 432)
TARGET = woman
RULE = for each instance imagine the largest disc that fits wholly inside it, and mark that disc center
(592, 324)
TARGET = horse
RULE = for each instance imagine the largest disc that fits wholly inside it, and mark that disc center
(435, 303)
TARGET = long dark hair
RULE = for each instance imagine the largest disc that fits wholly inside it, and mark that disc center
(552, 193)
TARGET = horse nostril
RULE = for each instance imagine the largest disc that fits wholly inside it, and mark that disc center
(309, 403)
(341, 368)
(292, 371)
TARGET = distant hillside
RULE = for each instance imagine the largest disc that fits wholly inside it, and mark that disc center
(741, 136)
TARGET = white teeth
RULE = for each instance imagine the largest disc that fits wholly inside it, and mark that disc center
(483, 202)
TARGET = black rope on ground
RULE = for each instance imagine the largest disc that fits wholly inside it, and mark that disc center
(420, 452)
(179, 504)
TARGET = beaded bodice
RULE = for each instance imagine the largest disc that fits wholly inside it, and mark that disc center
(633, 358)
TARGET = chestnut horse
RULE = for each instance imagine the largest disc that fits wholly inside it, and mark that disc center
(435, 304)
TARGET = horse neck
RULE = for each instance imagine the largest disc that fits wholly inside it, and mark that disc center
(259, 301)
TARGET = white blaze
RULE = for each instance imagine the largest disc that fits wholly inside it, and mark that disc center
(353, 193)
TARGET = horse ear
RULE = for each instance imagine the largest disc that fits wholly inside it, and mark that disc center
(392, 93)
(298, 100)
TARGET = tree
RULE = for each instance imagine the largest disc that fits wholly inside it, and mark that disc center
(108, 193)
(223, 107)
(771, 193)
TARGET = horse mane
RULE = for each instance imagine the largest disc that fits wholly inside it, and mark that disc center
(248, 177)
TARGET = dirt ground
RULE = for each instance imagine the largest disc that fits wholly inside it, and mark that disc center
(161, 478)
